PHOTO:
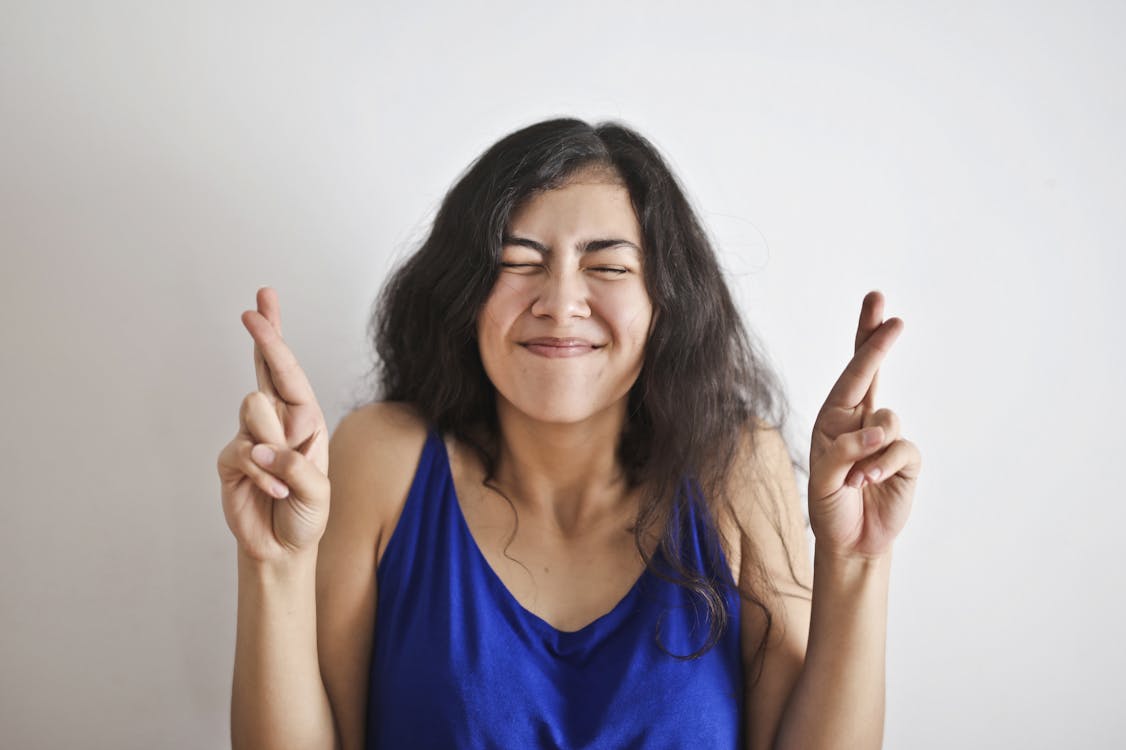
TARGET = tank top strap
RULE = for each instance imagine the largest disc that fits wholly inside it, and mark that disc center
(416, 528)
(702, 545)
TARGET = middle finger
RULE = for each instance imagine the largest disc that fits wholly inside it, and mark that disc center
(267, 300)
(853, 384)
(284, 374)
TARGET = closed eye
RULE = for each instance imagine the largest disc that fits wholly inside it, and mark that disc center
(613, 270)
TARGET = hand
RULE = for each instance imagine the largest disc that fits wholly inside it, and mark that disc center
(852, 513)
(281, 508)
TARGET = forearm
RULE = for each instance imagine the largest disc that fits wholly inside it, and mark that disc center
(278, 699)
(838, 700)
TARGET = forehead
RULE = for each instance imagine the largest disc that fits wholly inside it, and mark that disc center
(588, 203)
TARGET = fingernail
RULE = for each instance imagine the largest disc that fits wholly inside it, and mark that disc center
(262, 454)
(874, 473)
(873, 435)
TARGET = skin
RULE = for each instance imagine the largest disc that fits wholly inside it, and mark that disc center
(560, 417)
(860, 495)
(860, 492)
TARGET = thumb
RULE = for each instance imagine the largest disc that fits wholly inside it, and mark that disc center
(846, 450)
(298, 472)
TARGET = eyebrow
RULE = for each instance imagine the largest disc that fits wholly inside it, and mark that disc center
(583, 246)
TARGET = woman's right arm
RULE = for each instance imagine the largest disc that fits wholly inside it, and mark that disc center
(278, 699)
(305, 627)
(277, 506)
(307, 577)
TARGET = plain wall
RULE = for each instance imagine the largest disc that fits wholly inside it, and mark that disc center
(161, 161)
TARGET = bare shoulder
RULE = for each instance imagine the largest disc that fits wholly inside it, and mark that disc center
(764, 510)
(387, 420)
(372, 456)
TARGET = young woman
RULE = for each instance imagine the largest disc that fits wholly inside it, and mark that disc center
(571, 519)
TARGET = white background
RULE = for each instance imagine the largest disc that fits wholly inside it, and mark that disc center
(161, 161)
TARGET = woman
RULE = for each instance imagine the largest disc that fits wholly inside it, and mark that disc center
(571, 520)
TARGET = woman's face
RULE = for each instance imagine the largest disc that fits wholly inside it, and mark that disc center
(562, 334)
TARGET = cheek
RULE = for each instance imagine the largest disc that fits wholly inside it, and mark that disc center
(503, 306)
(630, 316)
(510, 291)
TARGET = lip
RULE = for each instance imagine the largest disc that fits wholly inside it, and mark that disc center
(551, 347)
(553, 341)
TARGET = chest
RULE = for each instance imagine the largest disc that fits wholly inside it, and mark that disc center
(566, 583)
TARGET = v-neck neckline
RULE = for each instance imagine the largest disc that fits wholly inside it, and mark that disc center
(615, 614)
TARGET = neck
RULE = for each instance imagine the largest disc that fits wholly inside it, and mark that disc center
(565, 474)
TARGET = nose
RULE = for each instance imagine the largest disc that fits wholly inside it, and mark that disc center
(562, 296)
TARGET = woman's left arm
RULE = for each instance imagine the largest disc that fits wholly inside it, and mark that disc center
(862, 477)
(838, 699)
(861, 482)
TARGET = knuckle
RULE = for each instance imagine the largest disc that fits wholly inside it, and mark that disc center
(248, 405)
(887, 419)
(845, 444)
(259, 418)
(228, 455)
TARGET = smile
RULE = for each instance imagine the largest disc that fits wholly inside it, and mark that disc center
(561, 349)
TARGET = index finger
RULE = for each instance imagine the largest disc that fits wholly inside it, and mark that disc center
(284, 375)
(860, 373)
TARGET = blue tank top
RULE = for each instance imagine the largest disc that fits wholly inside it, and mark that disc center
(458, 662)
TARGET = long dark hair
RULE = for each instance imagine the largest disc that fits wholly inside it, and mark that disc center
(703, 387)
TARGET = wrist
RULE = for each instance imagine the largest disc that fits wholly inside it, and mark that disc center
(825, 556)
(283, 567)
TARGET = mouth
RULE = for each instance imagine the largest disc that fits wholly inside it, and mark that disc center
(553, 348)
